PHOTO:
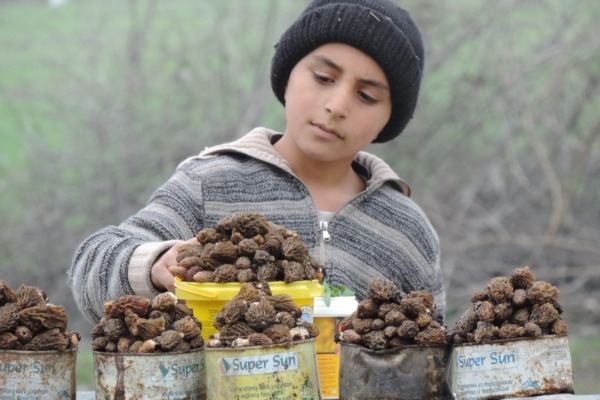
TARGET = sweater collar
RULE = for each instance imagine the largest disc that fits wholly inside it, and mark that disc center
(257, 144)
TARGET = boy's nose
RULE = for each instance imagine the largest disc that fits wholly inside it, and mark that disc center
(338, 102)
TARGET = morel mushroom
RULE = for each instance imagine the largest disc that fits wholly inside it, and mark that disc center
(134, 324)
(23, 333)
(250, 224)
(138, 304)
(485, 311)
(189, 250)
(245, 247)
(256, 317)
(375, 340)
(52, 339)
(521, 307)
(170, 339)
(8, 341)
(284, 302)
(29, 296)
(381, 290)
(260, 314)
(278, 333)
(389, 318)
(208, 235)
(28, 322)
(164, 301)
(542, 292)
(259, 339)
(500, 289)
(522, 278)
(6, 294)
(190, 327)
(9, 317)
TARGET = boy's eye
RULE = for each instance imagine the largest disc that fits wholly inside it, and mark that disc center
(366, 98)
(322, 78)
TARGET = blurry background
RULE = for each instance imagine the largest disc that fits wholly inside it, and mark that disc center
(100, 100)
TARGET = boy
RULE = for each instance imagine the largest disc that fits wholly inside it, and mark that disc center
(348, 73)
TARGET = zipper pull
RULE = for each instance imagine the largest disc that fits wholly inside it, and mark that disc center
(326, 236)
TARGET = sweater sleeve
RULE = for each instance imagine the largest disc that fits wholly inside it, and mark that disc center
(117, 259)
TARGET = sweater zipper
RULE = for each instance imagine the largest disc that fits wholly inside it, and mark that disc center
(323, 225)
(325, 238)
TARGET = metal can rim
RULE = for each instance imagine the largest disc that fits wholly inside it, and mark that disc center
(512, 340)
(271, 346)
(28, 352)
(396, 349)
(157, 354)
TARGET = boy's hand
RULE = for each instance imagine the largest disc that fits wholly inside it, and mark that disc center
(160, 275)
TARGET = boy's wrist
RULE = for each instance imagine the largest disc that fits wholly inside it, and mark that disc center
(140, 267)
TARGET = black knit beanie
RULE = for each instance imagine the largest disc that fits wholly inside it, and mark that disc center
(379, 28)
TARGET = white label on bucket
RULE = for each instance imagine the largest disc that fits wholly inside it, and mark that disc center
(175, 371)
(262, 364)
(29, 375)
(526, 367)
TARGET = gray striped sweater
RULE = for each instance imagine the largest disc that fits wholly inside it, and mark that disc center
(381, 232)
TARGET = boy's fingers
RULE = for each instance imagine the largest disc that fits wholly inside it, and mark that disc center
(170, 283)
(160, 275)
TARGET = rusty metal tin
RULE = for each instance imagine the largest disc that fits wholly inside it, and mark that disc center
(275, 372)
(150, 376)
(37, 374)
(511, 368)
(406, 373)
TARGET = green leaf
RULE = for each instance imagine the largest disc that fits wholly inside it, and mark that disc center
(327, 294)
(331, 290)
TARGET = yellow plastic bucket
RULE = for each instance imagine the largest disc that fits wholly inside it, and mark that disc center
(207, 299)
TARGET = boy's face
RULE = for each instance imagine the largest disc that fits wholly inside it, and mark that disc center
(336, 102)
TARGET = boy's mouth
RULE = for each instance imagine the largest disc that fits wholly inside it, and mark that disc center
(326, 129)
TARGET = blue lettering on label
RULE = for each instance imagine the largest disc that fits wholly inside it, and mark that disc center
(13, 368)
(20, 368)
(249, 366)
(500, 358)
(39, 368)
(284, 361)
(259, 364)
(493, 359)
(469, 362)
(183, 371)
